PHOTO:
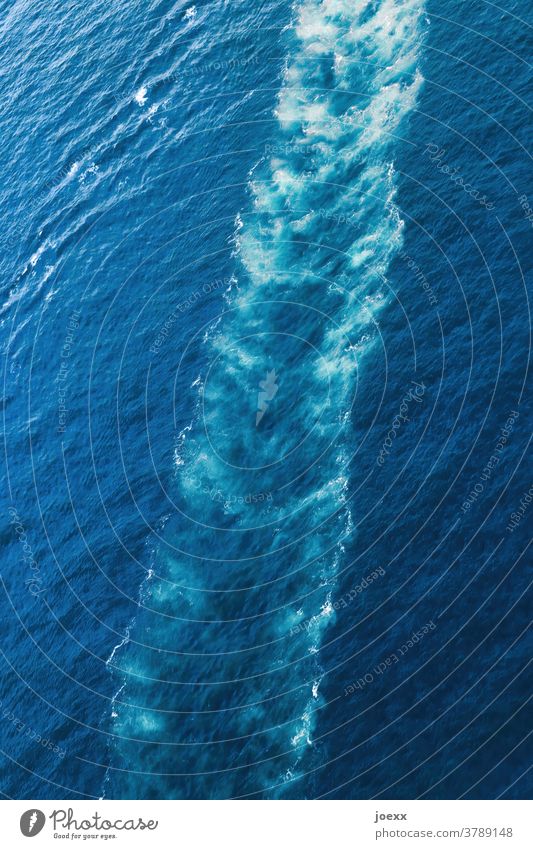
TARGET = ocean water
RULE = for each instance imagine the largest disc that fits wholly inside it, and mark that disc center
(266, 334)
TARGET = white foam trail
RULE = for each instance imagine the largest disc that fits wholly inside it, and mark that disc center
(351, 80)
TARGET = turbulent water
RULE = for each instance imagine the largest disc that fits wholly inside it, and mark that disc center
(300, 316)
(266, 320)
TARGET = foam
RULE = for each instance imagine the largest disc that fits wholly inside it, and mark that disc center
(334, 152)
(141, 95)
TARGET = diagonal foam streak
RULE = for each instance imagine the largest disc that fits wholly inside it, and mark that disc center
(217, 676)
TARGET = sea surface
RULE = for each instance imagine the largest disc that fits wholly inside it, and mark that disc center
(266, 337)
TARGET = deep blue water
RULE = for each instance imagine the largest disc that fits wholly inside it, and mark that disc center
(210, 587)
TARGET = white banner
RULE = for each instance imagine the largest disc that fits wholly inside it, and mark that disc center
(269, 825)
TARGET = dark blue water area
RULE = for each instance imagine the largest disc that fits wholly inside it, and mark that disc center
(118, 205)
(131, 137)
(437, 723)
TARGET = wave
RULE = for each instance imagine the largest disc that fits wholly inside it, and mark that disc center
(222, 689)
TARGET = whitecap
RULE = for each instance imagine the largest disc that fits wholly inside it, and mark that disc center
(73, 170)
(140, 95)
(34, 259)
